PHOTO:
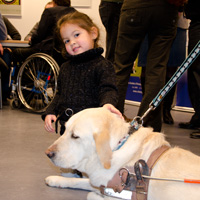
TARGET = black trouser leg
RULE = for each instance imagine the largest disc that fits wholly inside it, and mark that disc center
(168, 100)
(194, 73)
(109, 14)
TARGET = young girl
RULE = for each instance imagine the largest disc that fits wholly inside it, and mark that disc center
(87, 79)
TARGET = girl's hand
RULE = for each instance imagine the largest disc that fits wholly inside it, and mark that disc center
(48, 123)
(113, 109)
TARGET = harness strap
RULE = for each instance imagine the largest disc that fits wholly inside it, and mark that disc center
(141, 168)
(155, 156)
(142, 186)
(118, 182)
(122, 181)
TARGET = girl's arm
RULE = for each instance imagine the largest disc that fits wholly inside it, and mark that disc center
(108, 93)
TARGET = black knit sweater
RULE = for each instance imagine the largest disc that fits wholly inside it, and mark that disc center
(86, 80)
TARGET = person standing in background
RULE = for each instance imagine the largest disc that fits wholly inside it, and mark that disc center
(158, 19)
(177, 56)
(109, 11)
(192, 13)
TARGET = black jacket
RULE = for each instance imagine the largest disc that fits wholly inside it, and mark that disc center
(192, 10)
(42, 40)
(85, 81)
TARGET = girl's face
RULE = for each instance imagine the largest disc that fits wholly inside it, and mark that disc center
(76, 39)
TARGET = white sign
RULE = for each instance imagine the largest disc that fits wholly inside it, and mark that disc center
(81, 3)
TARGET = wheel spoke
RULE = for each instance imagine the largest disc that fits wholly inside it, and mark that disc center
(35, 90)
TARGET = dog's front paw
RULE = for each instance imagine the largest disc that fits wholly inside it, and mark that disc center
(55, 181)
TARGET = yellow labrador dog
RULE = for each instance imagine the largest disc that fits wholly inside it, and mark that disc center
(88, 145)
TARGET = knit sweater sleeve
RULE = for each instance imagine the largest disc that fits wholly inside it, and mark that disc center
(51, 109)
(107, 84)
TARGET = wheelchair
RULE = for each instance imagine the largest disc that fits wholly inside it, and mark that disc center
(34, 83)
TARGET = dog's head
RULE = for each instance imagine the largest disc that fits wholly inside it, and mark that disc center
(90, 134)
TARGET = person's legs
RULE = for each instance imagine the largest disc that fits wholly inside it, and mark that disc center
(110, 13)
(176, 58)
(161, 35)
(194, 74)
(5, 67)
(168, 100)
(160, 24)
(130, 35)
(193, 79)
(4, 79)
(20, 54)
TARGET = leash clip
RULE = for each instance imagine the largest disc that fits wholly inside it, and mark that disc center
(67, 113)
(137, 122)
(124, 174)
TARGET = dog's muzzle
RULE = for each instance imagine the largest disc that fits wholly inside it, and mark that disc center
(50, 152)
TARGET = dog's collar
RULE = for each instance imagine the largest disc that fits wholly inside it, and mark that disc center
(132, 129)
(125, 138)
(121, 142)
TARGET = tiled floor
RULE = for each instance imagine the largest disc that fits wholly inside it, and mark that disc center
(23, 164)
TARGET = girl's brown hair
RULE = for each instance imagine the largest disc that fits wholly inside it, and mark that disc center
(80, 19)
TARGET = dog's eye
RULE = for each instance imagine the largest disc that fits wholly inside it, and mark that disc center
(74, 136)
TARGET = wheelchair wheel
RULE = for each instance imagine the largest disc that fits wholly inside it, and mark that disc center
(37, 82)
(15, 103)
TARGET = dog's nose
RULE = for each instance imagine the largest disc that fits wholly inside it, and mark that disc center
(50, 153)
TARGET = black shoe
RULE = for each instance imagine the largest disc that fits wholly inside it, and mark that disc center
(195, 135)
(167, 117)
(188, 125)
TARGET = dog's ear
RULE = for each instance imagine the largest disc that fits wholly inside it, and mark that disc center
(103, 149)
